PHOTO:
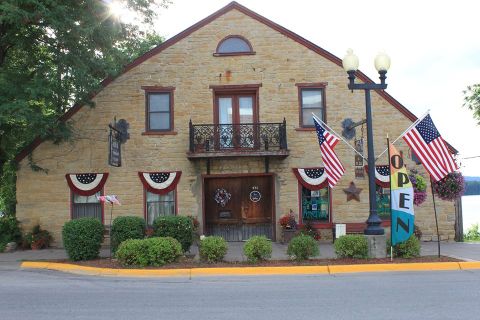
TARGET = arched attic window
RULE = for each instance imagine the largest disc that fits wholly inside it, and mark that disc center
(234, 46)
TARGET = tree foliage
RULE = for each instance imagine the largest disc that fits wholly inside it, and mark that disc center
(472, 100)
(53, 55)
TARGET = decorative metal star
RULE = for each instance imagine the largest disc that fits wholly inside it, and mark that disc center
(353, 192)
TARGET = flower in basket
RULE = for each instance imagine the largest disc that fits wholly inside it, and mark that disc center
(287, 221)
(419, 187)
(451, 187)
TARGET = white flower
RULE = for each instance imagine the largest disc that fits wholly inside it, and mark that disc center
(202, 237)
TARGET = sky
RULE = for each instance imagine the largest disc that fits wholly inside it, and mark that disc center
(433, 46)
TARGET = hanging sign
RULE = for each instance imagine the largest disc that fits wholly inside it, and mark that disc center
(114, 155)
(359, 173)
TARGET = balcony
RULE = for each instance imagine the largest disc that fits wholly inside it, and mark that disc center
(238, 140)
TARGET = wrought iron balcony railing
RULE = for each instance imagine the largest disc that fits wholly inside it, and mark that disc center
(245, 137)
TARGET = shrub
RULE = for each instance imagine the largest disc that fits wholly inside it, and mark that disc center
(132, 252)
(9, 231)
(302, 247)
(309, 230)
(149, 252)
(177, 227)
(351, 246)
(124, 228)
(37, 239)
(213, 249)
(257, 248)
(82, 238)
(407, 249)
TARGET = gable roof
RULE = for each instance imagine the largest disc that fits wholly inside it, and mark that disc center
(185, 33)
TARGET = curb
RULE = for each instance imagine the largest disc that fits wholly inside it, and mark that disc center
(251, 271)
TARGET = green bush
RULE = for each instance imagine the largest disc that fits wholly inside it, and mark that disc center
(473, 234)
(351, 246)
(213, 249)
(177, 227)
(407, 249)
(156, 251)
(124, 228)
(257, 248)
(9, 231)
(82, 238)
(303, 247)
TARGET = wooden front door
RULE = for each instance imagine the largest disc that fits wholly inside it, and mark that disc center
(238, 208)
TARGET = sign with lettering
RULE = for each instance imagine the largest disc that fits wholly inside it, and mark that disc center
(114, 155)
(359, 172)
(401, 199)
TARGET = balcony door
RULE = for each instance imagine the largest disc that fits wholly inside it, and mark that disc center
(235, 115)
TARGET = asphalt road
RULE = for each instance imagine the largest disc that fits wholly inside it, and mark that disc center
(39, 295)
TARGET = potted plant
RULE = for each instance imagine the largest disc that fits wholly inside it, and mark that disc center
(419, 187)
(451, 187)
(38, 238)
(289, 226)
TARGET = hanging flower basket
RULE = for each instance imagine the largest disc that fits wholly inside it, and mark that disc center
(419, 187)
(451, 187)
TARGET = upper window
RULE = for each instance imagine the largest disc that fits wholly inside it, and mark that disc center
(312, 100)
(159, 111)
(234, 45)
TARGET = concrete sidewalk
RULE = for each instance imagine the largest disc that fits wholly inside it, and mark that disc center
(460, 250)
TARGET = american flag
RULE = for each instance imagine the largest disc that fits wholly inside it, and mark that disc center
(427, 143)
(327, 141)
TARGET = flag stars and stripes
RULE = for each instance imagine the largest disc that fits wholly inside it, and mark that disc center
(160, 177)
(327, 141)
(86, 178)
(383, 170)
(428, 145)
(314, 173)
(427, 130)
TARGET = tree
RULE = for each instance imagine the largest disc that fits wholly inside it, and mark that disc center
(472, 100)
(53, 55)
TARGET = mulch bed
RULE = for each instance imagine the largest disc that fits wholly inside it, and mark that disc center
(186, 263)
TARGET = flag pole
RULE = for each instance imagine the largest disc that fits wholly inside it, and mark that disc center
(391, 224)
(403, 133)
(339, 136)
(436, 219)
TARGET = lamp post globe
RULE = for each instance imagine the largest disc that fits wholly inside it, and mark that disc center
(382, 62)
(350, 61)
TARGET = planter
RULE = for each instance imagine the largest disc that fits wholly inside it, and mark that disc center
(288, 234)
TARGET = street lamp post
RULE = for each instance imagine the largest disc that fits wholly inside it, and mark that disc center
(382, 64)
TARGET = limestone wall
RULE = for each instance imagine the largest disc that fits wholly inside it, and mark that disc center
(190, 67)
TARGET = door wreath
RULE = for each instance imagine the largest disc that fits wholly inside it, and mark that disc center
(222, 197)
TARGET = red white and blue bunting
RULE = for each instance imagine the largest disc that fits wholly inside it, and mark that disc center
(160, 182)
(382, 175)
(86, 184)
(311, 178)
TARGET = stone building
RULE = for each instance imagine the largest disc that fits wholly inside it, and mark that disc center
(220, 128)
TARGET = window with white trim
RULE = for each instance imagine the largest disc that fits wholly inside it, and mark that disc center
(159, 205)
